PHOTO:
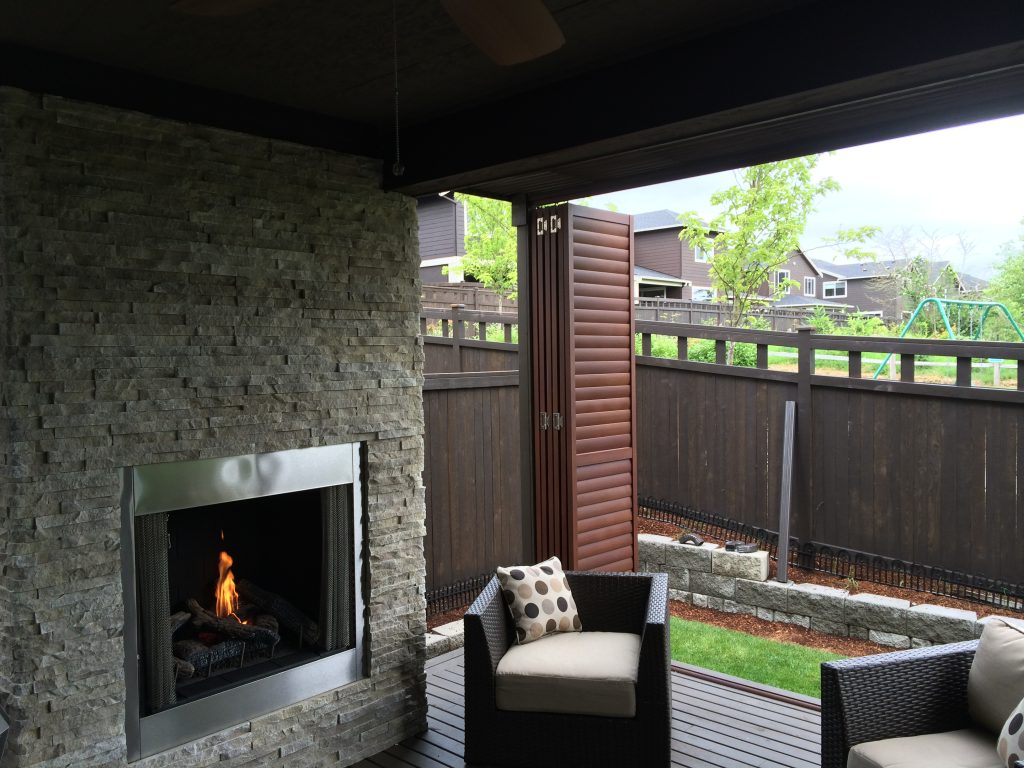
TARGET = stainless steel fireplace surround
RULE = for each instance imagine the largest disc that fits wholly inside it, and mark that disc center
(162, 488)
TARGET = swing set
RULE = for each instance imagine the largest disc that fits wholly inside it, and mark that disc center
(976, 310)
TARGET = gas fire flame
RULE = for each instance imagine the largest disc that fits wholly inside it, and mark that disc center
(227, 595)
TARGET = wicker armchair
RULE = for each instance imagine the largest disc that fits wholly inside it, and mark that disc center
(890, 695)
(636, 603)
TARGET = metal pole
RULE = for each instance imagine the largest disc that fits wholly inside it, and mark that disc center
(788, 436)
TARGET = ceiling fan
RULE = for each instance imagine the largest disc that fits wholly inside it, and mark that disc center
(506, 31)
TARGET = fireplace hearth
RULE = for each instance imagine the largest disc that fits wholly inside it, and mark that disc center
(242, 588)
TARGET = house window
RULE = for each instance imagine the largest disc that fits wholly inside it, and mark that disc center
(702, 255)
(702, 294)
(809, 286)
(781, 276)
(834, 289)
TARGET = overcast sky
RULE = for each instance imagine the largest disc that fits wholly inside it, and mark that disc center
(965, 181)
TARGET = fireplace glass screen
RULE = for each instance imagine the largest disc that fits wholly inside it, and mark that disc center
(236, 591)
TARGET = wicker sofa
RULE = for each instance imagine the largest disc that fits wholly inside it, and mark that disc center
(892, 695)
(634, 603)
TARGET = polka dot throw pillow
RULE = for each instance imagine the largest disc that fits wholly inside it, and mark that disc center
(539, 599)
(1011, 738)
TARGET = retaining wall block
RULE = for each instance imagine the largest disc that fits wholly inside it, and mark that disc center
(826, 603)
(837, 628)
(692, 558)
(940, 624)
(891, 639)
(773, 595)
(679, 594)
(679, 579)
(731, 606)
(792, 618)
(741, 565)
(713, 586)
(878, 612)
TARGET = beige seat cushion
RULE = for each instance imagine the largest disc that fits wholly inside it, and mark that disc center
(583, 673)
(995, 684)
(970, 748)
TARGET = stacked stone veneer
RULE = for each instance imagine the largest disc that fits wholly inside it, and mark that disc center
(170, 291)
(737, 583)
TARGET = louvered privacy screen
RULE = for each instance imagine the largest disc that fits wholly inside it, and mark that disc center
(583, 382)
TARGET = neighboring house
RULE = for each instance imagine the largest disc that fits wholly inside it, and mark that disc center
(442, 221)
(657, 247)
(868, 286)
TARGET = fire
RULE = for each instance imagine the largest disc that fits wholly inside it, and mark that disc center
(227, 595)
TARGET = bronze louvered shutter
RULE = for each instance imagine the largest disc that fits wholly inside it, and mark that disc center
(583, 375)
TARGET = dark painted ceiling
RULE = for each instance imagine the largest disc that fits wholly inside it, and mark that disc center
(642, 91)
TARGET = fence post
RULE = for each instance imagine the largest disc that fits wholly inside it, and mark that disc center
(800, 521)
(458, 333)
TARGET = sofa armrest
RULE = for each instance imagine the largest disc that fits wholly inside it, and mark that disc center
(487, 628)
(889, 695)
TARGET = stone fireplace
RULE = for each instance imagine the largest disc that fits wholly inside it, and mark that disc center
(185, 304)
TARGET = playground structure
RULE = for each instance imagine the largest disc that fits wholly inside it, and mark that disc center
(984, 309)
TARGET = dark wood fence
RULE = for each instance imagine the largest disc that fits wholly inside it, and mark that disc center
(455, 340)
(925, 473)
(471, 474)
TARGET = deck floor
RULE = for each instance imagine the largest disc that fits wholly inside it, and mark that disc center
(716, 723)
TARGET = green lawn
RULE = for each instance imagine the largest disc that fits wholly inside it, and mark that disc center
(782, 665)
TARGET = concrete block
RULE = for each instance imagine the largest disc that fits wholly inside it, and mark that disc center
(740, 565)
(773, 595)
(891, 639)
(819, 601)
(685, 556)
(711, 585)
(940, 624)
(837, 628)
(878, 612)
(680, 595)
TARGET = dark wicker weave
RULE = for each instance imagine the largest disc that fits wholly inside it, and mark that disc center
(906, 693)
(607, 602)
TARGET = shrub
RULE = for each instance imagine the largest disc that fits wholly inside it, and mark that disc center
(865, 325)
(703, 351)
(822, 321)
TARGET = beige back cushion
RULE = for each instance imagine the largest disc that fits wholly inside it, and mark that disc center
(995, 684)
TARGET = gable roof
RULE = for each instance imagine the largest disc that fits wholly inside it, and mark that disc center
(883, 268)
(663, 219)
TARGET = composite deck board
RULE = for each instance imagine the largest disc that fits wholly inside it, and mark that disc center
(714, 725)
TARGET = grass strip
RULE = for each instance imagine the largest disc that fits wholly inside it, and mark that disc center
(782, 665)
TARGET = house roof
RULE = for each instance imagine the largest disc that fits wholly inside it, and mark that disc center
(869, 269)
(589, 118)
(663, 219)
(643, 273)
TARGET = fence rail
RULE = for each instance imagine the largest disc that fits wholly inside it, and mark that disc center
(700, 313)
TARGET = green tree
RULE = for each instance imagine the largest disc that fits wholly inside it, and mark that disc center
(1007, 286)
(490, 244)
(762, 218)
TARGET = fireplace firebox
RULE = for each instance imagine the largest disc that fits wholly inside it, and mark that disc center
(242, 588)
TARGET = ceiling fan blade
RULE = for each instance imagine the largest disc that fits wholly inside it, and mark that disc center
(218, 7)
(507, 31)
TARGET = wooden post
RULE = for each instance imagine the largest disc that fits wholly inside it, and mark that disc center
(801, 516)
(458, 333)
(520, 220)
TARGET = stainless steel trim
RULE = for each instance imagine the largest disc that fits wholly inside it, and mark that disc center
(186, 484)
(196, 719)
(131, 620)
(235, 479)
